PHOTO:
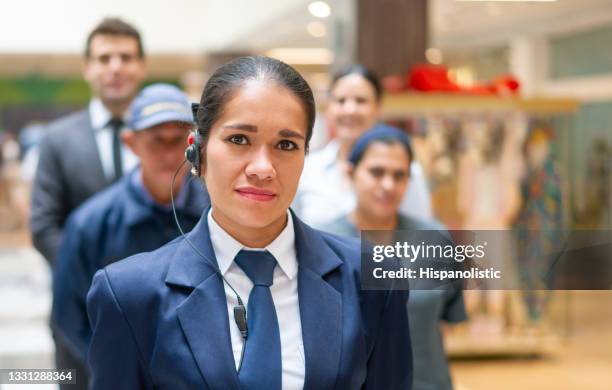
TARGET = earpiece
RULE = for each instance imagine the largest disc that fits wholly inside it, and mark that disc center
(192, 153)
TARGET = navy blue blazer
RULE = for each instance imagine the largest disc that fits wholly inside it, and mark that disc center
(114, 224)
(160, 320)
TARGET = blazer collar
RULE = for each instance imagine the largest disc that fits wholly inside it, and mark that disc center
(204, 318)
(189, 269)
(321, 307)
(313, 253)
(203, 314)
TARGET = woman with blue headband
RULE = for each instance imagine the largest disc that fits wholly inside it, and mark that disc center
(380, 174)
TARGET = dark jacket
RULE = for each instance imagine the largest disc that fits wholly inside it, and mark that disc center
(116, 223)
(69, 172)
(160, 320)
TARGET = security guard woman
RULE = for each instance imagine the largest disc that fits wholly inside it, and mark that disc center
(174, 318)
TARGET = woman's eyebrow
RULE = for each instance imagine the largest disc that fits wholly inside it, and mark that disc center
(253, 129)
(290, 134)
(242, 126)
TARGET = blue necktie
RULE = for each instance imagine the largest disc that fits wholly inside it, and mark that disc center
(261, 366)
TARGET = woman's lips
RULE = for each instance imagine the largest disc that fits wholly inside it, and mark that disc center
(256, 194)
(349, 122)
(385, 200)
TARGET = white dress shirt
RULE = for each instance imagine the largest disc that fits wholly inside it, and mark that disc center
(325, 192)
(100, 116)
(284, 294)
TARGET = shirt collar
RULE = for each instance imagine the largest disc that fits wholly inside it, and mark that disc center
(227, 247)
(100, 115)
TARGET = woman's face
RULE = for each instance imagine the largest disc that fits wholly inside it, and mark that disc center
(380, 179)
(254, 156)
(353, 107)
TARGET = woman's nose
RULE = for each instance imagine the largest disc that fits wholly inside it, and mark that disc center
(350, 106)
(260, 165)
(388, 183)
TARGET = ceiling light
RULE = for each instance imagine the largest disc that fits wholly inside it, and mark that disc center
(320, 9)
(317, 29)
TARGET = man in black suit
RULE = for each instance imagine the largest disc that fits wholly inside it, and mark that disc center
(81, 153)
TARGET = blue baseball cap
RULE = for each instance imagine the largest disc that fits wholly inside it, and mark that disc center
(157, 104)
(380, 132)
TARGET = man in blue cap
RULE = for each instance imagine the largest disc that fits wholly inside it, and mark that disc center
(134, 215)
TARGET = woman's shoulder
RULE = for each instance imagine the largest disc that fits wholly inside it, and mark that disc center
(412, 223)
(140, 275)
(341, 226)
(345, 249)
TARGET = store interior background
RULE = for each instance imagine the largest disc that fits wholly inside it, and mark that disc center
(560, 52)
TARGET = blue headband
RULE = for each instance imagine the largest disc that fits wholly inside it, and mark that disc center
(379, 132)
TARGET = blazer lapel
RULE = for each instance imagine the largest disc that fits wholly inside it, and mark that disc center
(203, 315)
(320, 308)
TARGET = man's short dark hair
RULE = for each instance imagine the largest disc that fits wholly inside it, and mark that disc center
(117, 27)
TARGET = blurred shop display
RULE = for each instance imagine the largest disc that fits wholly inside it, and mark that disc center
(597, 191)
(18, 160)
(493, 163)
(435, 78)
(541, 215)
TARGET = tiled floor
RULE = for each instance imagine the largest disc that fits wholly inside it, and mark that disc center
(583, 362)
(25, 340)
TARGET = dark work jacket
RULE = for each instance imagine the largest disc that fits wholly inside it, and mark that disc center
(160, 320)
(116, 223)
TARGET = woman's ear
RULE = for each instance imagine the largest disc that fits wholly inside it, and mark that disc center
(349, 169)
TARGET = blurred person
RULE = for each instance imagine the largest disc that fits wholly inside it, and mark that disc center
(81, 154)
(325, 192)
(380, 174)
(133, 215)
(251, 298)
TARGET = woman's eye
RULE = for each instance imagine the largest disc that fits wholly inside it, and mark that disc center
(377, 172)
(287, 145)
(400, 176)
(238, 139)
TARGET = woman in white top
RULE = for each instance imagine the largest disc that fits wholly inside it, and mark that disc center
(325, 193)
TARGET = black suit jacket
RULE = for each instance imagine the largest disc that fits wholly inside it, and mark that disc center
(69, 171)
